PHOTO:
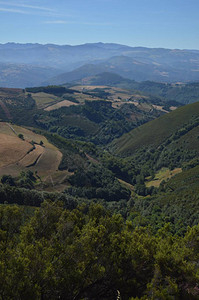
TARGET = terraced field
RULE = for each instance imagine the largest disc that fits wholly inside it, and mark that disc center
(18, 154)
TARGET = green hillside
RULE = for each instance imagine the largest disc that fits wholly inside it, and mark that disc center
(177, 202)
(161, 158)
(182, 92)
(153, 133)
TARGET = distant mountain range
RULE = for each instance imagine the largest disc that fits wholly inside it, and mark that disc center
(61, 64)
(135, 69)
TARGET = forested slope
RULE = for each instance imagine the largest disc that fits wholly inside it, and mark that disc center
(153, 133)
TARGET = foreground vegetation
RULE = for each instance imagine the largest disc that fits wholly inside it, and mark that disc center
(87, 253)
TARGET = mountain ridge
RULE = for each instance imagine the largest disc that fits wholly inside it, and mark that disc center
(137, 63)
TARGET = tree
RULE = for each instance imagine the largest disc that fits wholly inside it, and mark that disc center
(8, 179)
(20, 135)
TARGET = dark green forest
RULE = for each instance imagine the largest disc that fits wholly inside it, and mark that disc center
(88, 253)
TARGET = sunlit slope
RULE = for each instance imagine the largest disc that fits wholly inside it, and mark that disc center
(153, 133)
(31, 151)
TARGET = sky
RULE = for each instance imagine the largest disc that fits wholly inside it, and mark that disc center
(149, 23)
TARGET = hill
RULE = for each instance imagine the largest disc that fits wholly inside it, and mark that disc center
(178, 92)
(65, 56)
(138, 63)
(105, 78)
(39, 160)
(134, 69)
(161, 160)
(154, 133)
(169, 92)
(23, 75)
(181, 92)
(75, 75)
(22, 149)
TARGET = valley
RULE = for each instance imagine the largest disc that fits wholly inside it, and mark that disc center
(140, 141)
(101, 168)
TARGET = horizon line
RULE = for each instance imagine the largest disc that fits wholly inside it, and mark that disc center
(95, 43)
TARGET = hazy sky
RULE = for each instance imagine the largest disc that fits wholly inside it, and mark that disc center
(150, 23)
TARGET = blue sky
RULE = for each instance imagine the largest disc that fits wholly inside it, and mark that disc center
(150, 23)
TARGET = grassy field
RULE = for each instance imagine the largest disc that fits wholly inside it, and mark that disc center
(32, 157)
(15, 154)
(29, 136)
(43, 99)
(49, 161)
(164, 174)
(89, 87)
(5, 128)
(12, 149)
(64, 103)
(50, 102)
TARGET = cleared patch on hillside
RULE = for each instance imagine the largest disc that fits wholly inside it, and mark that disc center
(43, 99)
(31, 158)
(64, 103)
(49, 161)
(81, 88)
(30, 136)
(50, 102)
(163, 174)
(12, 149)
(17, 155)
